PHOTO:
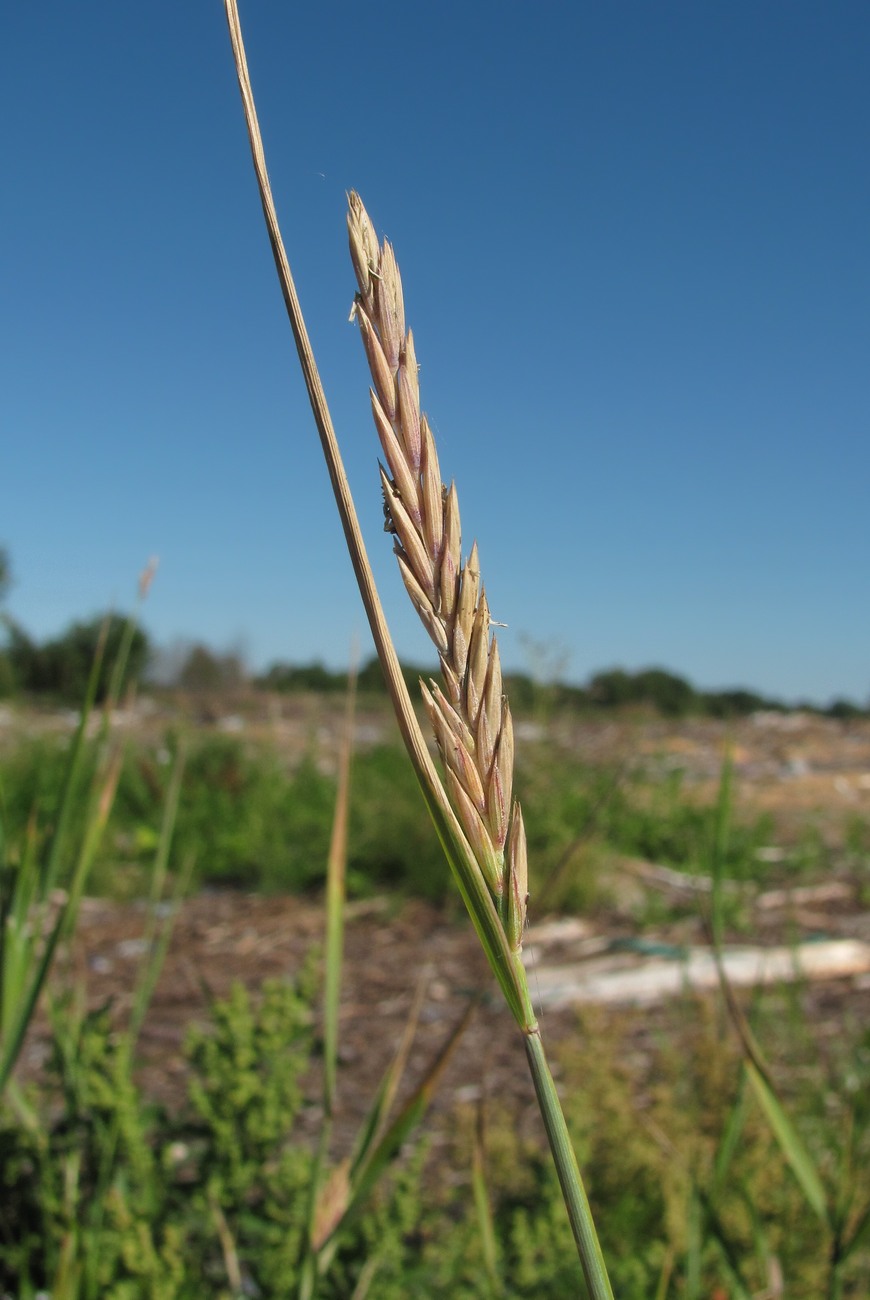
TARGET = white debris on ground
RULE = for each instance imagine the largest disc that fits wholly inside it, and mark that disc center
(635, 979)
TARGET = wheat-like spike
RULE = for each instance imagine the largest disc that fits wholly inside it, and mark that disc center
(517, 880)
(470, 717)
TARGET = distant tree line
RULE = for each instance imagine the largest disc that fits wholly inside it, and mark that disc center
(294, 679)
(59, 669)
(655, 688)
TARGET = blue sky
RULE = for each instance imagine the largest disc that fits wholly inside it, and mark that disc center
(634, 244)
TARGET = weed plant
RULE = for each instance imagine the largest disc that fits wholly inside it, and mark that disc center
(107, 1196)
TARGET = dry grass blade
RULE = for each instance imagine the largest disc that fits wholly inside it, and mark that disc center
(470, 716)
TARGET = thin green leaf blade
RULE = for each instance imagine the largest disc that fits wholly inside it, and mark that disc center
(335, 902)
(483, 1204)
(796, 1154)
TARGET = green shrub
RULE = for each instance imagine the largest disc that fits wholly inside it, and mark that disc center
(107, 1196)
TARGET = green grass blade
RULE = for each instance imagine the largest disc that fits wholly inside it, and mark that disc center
(102, 795)
(664, 1281)
(335, 903)
(369, 1169)
(167, 824)
(799, 1159)
(366, 1277)
(20, 920)
(69, 793)
(13, 1035)
(379, 1147)
(859, 1231)
(793, 1149)
(119, 667)
(158, 940)
(376, 1119)
(335, 912)
(693, 1246)
(157, 936)
(482, 1203)
(103, 792)
(730, 1139)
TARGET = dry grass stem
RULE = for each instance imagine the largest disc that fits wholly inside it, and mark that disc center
(470, 715)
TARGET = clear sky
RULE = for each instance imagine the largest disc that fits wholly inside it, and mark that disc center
(635, 244)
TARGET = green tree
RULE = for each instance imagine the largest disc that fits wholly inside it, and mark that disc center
(291, 678)
(61, 667)
(611, 688)
(673, 696)
(736, 703)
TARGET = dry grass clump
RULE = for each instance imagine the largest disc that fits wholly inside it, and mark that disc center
(470, 715)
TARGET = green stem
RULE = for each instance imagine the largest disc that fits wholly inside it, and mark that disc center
(573, 1191)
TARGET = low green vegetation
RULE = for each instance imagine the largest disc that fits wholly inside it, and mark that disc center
(105, 1195)
(687, 1183)
(253, 821)
(108, 1195)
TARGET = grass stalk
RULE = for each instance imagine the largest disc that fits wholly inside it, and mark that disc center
(335, 903)
(484, 844)
(321, 1192)
(567, 1169)
(159, 929)
(338, 1197)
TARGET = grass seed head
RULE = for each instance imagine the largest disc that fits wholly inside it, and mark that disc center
(470, 716)
(518, 880)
